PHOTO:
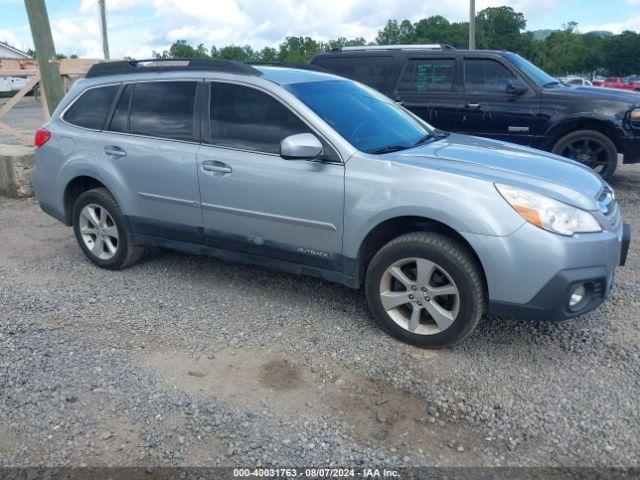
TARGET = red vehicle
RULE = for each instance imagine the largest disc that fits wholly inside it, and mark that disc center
(618, 82)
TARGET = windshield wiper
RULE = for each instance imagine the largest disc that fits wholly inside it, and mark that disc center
(388, 149)
(550, 84)
(435, 135)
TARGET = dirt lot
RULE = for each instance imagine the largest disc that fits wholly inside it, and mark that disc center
(187, 360)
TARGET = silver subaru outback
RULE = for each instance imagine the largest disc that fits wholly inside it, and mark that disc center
(314, 174)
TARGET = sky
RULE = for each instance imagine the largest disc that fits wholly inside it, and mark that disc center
(138, 27)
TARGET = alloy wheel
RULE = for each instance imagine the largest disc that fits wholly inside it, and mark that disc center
(99, 231)
(420, 296)
(589, 152)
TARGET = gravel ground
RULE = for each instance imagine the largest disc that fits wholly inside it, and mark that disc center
(188, 360)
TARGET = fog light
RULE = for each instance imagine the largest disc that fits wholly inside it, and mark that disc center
(577, 296)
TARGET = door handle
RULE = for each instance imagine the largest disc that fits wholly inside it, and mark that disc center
(216, 167)
(473, 106)
(114, 151)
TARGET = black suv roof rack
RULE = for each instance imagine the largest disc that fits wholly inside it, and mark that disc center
(170, 64)
(437, 46)
(298, 66)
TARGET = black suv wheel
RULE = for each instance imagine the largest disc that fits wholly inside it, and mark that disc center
(590, 148)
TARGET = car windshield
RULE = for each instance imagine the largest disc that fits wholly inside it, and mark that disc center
(542, 78)
(369, 121)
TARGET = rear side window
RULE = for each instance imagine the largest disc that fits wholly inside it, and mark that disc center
(484, 75)
(245, 118)
(428, 75)
(91, 108)
(377, 72)
(163, 109)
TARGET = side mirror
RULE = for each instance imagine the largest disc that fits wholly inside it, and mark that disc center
(299, 146)
(516, 86)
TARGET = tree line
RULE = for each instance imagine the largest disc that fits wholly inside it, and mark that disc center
(561, 52)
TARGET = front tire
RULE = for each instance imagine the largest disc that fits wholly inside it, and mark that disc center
(425, 289)
(592, 149)
(102, 231)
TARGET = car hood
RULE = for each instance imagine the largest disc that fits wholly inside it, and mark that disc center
(612, 94)
(502, 162)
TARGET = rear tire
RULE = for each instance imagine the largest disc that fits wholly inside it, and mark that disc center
(439, 282)
(102, 231)
(592, 149)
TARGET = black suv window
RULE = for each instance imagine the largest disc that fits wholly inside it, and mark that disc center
(484, 75)
(163, 109)
(377, 72)
(428, 75)
(92, 106)
(242, 117)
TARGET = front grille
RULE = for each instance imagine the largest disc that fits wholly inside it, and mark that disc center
(598, 287)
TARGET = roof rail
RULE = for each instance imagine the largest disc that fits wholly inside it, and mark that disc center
(439, 46)
(170, 64)
(299, 66)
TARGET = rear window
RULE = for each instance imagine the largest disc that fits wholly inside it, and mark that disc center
(90, 109)
(377, 72)
(428, 75)
(163, 109)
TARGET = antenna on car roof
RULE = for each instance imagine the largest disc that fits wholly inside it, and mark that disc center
(125, 67)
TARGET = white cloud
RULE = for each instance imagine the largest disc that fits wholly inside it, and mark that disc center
(632, 23)
(10, 38)
(536, 8)
(79, 35)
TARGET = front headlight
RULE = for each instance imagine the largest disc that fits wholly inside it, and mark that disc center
(634, 118)
(544, 212)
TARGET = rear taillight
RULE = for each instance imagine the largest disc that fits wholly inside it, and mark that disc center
(42, 137)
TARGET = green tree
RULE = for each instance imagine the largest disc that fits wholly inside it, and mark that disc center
(181, 49)
(268, 55)
(298, 49)
(235, 52)
(499, 28)
(343, 42)
(390, 34)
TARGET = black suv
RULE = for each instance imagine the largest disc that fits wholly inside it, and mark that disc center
(499, 95)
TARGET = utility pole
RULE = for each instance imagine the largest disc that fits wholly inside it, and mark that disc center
(472, 24)
(103, 28)
(45, 52)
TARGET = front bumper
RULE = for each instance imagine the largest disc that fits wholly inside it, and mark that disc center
(629, 147)
(532, 274)
(552, 301)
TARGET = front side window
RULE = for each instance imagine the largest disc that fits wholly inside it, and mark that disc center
(428, 75)
(486, 76)
(366, 119)
(91, 108)
(163, 109)
(539, 76)
(248, 119)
